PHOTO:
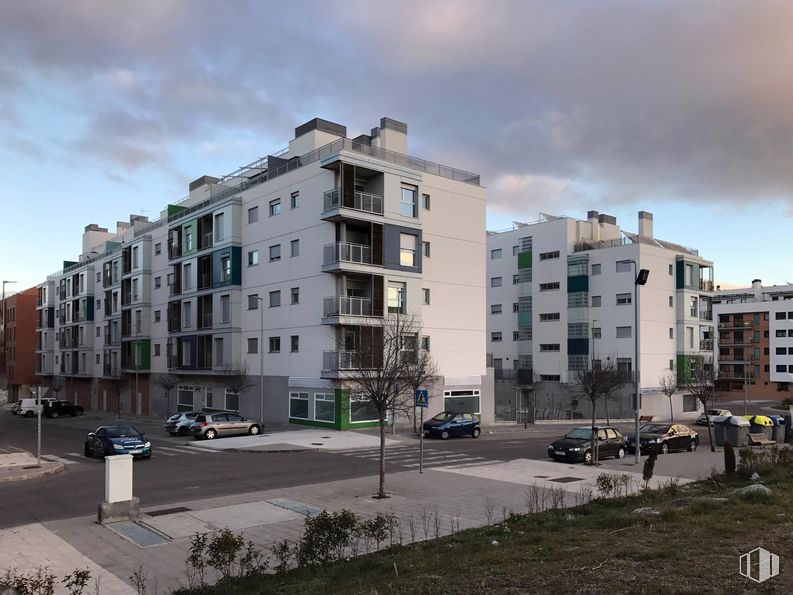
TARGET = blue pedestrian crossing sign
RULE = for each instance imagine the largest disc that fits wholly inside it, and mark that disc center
(422, 398)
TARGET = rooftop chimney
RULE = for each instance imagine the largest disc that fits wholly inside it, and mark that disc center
(757, 288)
(592, 217)
(645, 225)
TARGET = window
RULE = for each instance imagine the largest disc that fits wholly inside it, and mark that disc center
(425, 199)
(135, 258)
(407, 250)
(275, 299)
(596, 301)
(97, 358)
(623, 266)
(495, 308)
(325, 407)
(99, 274)
(275, 252)
(781, 368)
(253, 345)
(550, 377)
(549, 316)
(549, 346)
(98, 332)
(671, 270)
(157, 282)
(295, 295)
(253, 301)
(157, 316)
(671, 302)
(294, 343)
(232, 404)
(495, 281)
(298, 405)
(275, 207)
(690, 337)
(671, 333)
(595, 332)
(225, 268)
(689, 275)
(294, 200)
(219, 227)
(549, 255)
(407, 206)
(396, 298)
(780, 316)
(157, 250)
(495, 337)
(624, 332)
(425, 343)
(294, 247)
(253, 258)
(495, 254)
(623, 299)
(426, 295)
(253, 215)
(425, 249)
(781, 351)
(187, 310)
(275, 344)
(361, 409)
(549, 286)
(184, 396)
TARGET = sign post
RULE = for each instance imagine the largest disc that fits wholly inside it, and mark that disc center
(38, 426)
(422, 402)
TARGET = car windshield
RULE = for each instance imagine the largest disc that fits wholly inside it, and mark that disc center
(444, 416)
(122, 432)
(580, 434)
(653, 429)
(713, 412)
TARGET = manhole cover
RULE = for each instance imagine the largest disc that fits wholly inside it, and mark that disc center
(566, 479)
(140, 534)
(168, 511)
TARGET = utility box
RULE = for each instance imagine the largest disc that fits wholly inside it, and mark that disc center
(119, 504)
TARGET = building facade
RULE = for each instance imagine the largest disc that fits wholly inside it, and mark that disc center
(17, 355)
(561, 299)
(754, 344)
(285, 268)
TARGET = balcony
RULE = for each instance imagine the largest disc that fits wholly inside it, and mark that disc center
(706, 345)
(705, 285)
(734, 325)
(335, 306)
(705, 315)
(340, 255)
(342, 360)
(364, 202)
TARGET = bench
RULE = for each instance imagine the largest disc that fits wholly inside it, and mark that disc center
(646, 419)
(760, 439)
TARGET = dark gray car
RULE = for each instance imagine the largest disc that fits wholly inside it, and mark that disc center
(224, 423)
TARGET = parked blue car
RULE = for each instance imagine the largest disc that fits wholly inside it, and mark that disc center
(117, 440)
(451, 423)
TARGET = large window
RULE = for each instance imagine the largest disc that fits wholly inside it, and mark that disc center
(407, 250)
(185, 396)
(407, 206)
(232, 400)
(325, 407)
(362, 409)
(461, 401)
(298, 405)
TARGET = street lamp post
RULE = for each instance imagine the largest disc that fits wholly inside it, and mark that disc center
(5, 334)
(592, 331)
(640, 278)
(261, 358)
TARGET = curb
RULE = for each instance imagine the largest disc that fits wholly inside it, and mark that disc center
(49, 470)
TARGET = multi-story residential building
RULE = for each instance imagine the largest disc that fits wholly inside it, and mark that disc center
(18, 336)
(561, 299)
(754, 343)
(286, 267)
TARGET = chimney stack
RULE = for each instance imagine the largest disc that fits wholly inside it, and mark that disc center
(592, 217)
(646, 225)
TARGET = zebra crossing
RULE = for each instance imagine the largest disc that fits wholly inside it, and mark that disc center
(75, 458)
(408, 456)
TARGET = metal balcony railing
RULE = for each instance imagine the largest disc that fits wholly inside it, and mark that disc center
(347, 360)
(705, 285)
(705, 315)
(347, 252)
(347, 306)
(735, 325)
(362, 201)
(706, 345)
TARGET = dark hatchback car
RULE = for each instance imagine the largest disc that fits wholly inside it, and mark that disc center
(61, 408)
(450, 423)
(117, 440)
(576, 446)
(665, 437)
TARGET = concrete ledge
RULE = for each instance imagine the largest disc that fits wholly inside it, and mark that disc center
(114, 512)
(19, 472)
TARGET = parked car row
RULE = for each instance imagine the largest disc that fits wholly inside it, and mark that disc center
(50, 408)
(211, 425)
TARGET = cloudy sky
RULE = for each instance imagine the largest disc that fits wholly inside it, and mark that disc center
(684, 109)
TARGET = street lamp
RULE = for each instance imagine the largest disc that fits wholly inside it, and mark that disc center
(640, 278)
(592, 331)
(5, 333)
(261, 358)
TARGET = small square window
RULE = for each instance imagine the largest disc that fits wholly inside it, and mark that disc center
(425, 343)
(425, 199)
(671, 270)
(294, 200)
(275, 252)
(253, 258)
(275, 207)
(295, 247)
(596, 268)
(495, 254)
(495, 308)
(495, 281)
(275, 299)
(253, 301)
(624, 266)
(596, 300)
(253, 214)
(671, 333)
(295, 295)
(495, 337)
(671, 302)
(425, 249)
(157, 282)
(426, 294)
(253, 345)
(157, 316)
(275, 344)
(157, 250)
(294, 342)
(156, 350)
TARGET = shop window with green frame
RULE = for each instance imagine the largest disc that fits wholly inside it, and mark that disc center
(362, 409)
(461, 401)
(325, 407)
(298, 405)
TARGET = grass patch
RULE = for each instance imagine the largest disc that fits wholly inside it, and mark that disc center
(601, 547)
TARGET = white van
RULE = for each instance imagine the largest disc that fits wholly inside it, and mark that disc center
(28, 407)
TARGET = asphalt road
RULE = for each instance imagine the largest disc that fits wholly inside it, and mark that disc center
(177, 472)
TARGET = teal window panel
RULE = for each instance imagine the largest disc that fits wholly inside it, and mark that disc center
(524, 319)
(577, 346)
(524, 260)
(577, 283)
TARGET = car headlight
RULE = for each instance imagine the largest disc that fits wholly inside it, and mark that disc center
(118, 447)
(147, 445)
(575, 448)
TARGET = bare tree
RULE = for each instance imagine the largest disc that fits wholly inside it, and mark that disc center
(119, 382)
(421, 371)
(700, 381)
(57, 385)
(669, 386)
(597, 384)
(237, 376)
(168, 382)
(378, 368)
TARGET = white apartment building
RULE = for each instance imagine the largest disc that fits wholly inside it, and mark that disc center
(560, 298)
(285, 266)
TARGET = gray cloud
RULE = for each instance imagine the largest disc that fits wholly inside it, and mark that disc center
(578, 102)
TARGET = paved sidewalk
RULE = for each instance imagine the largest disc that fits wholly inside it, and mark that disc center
(294, 440)
(20, 466)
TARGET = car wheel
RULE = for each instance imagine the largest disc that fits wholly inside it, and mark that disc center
(210, 434)
(445, 435)
(253, 430)
(664, 448)
(54, 414)
(87, 451)
(692, 446)
(620, 453)
(588, 457)
(28, 414)
(476, 433)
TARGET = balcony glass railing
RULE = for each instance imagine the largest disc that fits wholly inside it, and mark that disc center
(347, 360)
(347, 252)
(362, 201)
(347, 306)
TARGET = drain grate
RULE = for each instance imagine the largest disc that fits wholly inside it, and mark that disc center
(566, 479)
(288, 504)
(140, 534)
(168, 511)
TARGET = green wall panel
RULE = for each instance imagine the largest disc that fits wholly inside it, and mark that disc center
(192, 226)
(524, 260)
(524, 319)
(236, 266)
(174, 209)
